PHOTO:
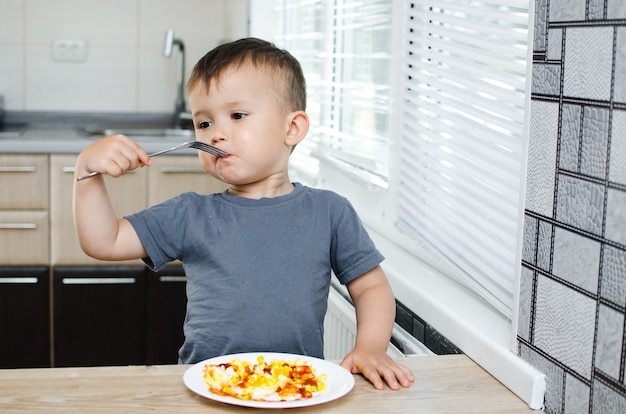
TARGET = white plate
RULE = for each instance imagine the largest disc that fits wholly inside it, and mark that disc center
(338, 380)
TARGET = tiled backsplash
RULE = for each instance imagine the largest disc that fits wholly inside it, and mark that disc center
(573, 285)
(124, 70)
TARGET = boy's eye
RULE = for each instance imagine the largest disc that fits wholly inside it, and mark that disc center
(204, 124)
(238, 115)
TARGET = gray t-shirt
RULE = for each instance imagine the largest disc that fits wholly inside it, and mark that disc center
(258, 271)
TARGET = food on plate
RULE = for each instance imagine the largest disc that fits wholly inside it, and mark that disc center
(276, 380)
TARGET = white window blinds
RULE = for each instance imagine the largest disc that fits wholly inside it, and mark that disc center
(344, 48)
(453, 168)
(461, 146)
(302, 32)
(356, 132)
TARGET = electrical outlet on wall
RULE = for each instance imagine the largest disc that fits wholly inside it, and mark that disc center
(69, 50)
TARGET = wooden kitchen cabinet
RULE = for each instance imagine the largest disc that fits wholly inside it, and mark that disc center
(23, 182)
(24, 237)
(174, 174)
(24, 219)
(99, 315)
(128, 195)
(24, 317)
(166, 304)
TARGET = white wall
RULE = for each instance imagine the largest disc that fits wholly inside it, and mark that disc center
(124, 70)
(264, 24)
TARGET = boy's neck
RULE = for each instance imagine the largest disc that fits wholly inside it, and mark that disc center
(261, 191)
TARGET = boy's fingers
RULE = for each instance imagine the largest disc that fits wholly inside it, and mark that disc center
(372, 375)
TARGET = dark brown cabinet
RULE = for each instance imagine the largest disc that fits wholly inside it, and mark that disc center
(118, 315)
(99, 316)
(166, 304)
(24, 317)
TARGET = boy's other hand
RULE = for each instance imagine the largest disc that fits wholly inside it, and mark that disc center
(377, 368)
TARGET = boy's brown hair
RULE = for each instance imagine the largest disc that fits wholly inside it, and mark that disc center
(261, 54)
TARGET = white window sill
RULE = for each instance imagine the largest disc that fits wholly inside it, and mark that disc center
(480, 331)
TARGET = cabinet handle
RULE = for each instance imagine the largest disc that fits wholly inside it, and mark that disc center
(172, 278)
(98, 280)
(181, 170)
(17, 226)
(19, 280)
(13, 169)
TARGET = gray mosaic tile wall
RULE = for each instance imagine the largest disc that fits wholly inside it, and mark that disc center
(573, 287)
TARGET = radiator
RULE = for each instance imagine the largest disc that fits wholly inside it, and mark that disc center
(340, 331)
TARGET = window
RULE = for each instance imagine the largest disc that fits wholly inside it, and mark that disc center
(419, 113)
(454, 132)
(344, 49)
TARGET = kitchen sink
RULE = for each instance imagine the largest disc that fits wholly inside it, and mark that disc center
(138, 132)
(12, 131)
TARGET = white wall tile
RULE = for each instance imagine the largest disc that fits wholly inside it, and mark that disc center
(99, 22)
(619, 82)
(617, 163)
(588, 62)
(201, 25)
(580, 203)
(565, 325)
(576, 396)
(237, 16)
(555, 44)
(616, 9)
(544, 117)
(595, 136)
(12, 79)
(576, 259)
(616, 216)
(609, 342)
(607, 400)
(525, 303)
(570, 137)
(567, 10)
(613, 285)
(157, 80)
(11, 22)
(106, 82)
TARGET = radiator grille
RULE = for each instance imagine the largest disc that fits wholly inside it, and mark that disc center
(340, 331)
(339, 326)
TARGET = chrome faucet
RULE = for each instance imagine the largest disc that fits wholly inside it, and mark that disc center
(179, 105)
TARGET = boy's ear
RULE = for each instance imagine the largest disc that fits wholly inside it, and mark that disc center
(297, 128)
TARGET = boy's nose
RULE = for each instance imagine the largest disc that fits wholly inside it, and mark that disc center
(218, 135)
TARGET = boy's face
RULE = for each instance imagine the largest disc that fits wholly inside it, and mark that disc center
(240, 114)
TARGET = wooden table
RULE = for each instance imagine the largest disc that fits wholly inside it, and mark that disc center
(443, 384)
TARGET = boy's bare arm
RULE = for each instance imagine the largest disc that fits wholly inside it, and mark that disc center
(375, 314)
(100, 233)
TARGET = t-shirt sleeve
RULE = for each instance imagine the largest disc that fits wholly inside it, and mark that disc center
(161, 229)
(353, 252)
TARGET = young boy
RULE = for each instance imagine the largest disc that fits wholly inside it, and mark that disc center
(258, 257)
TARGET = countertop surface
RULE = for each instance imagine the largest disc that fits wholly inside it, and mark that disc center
(38, 140)
(443, 384)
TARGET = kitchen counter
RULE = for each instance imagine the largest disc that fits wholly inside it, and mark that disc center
(443, 384)
(37, 140)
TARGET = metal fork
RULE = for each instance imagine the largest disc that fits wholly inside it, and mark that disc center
(191, 144)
